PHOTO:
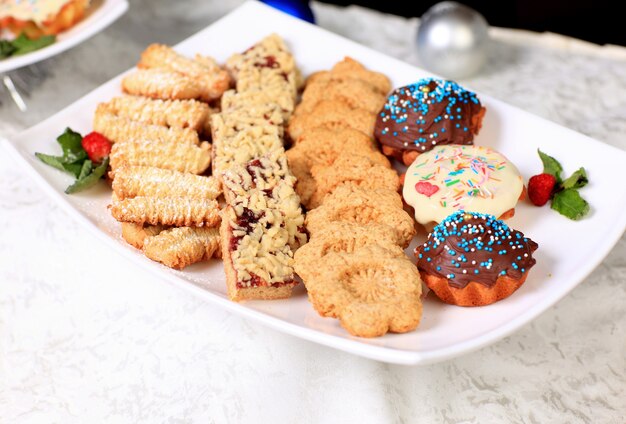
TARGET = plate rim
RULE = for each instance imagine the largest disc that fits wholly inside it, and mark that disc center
(349, 344)
(107, 13)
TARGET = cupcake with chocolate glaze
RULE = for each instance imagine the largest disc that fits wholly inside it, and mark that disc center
(425, 114)
(474, 259)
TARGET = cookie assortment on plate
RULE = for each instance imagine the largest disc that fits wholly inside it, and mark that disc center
(199, 170)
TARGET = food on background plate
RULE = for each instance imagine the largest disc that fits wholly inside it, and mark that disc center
(474, 259)
(22, 45)
(36, 18)
(564, 194)
(454, 177)
(429, 113)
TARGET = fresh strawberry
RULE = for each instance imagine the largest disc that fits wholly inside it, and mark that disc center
(97, 146)
(540, 188)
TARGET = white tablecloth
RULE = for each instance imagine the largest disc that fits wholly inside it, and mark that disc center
(87, 337)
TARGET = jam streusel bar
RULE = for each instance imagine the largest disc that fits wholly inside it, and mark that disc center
(261, 228)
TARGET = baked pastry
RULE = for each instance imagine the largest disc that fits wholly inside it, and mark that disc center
(41, 17)
(342, 237)
(354, 92)
(133, 181)
(172, 211)
(370, 290)
(322, 146)
(178, 157)
(350, 203)
(332, 114)
(136, 234)
(271, 53)
(212, 79)
(183, 246)
(160, 83)
(262, 226)
(349, 68)
(168, 113)
(120, 129)
(425, 114)
(454, 177)
(356, 170)
(474, 259)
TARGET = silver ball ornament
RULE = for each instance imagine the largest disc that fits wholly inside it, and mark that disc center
(452, 40)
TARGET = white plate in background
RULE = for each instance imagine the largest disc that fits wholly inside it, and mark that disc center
(100, 15)
(568, 251)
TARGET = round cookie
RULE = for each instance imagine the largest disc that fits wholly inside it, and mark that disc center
(454, 177)
(425, 114)
(473, 259)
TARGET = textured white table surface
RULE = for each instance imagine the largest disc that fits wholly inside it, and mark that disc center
(86, 337)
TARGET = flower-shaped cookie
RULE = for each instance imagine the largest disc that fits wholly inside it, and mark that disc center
(351, 169)
(350, 203)
(342, 237)
(371, 291)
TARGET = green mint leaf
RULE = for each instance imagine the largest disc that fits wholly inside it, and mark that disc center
(54, 161)
(569, 203)
(89, 180)
(551, 166)
(24, 45)
(6, 49)
(73, 168)
(85, 169)
(71, 143)
(577, 180)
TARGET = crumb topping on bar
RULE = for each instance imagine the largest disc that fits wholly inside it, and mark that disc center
(268, 223)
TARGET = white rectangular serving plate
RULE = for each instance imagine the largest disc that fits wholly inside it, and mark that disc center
(100, 15)
(568, 250)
